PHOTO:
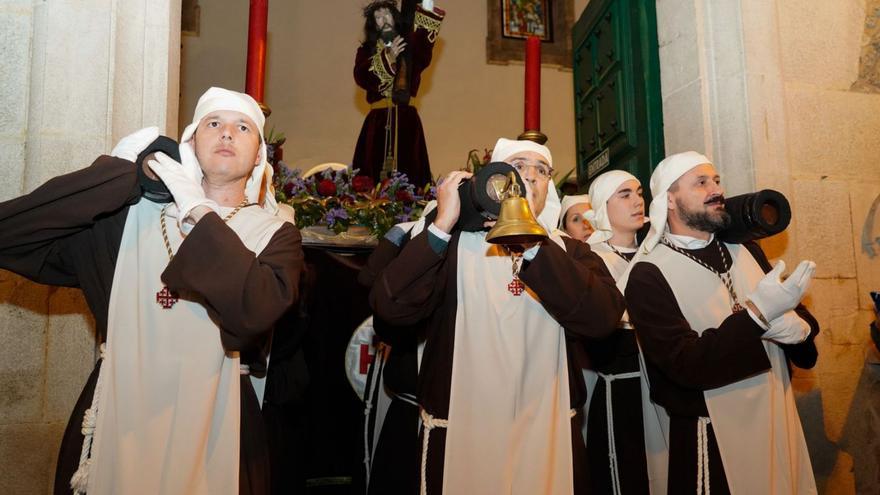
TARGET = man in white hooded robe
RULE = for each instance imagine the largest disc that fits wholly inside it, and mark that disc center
(718, 328)
(184, 294)
(496, 385)
(616, 433)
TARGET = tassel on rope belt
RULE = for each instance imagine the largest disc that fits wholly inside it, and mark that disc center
(609, 412)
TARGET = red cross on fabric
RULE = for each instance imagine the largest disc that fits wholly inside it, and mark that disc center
(166, 298)
(366, 359)
(516, 287)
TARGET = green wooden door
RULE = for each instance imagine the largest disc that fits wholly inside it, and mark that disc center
(618, 115)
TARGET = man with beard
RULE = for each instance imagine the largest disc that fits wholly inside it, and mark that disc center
(496, 387)
(715, 324)
(392, 137)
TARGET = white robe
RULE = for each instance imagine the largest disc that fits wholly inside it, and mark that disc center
(755, 421)
(168, 394)
(509, 419)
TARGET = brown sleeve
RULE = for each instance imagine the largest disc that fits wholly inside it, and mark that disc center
(411, 286)
(805, 354)
(576, 288)
(244, 292)
(717, 357)
(36, 227)
(380, 258)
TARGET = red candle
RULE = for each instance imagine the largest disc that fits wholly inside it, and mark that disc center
(256, 54)
(533, 84)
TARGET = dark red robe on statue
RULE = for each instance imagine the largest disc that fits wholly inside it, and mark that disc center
(374, 72)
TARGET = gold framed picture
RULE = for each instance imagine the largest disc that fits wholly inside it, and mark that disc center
(510, 22)
(523, 18)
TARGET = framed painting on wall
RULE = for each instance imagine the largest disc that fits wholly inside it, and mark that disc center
(512, 21)
(524, 18)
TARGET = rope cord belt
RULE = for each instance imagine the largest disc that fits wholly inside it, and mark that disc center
(703, 455)
(405, 397)
(391, 134)
(373, 379)
(429, 423)
(387, 103)
(609, 412)
(80, 480)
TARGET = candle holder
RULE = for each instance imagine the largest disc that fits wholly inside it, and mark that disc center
(265, 108)
(533, 135)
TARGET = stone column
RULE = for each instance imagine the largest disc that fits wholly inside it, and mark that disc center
(78, 75)
(702, 80)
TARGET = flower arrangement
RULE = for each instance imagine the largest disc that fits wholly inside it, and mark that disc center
(343, 199)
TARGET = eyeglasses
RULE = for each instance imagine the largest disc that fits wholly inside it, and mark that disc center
(543, 170)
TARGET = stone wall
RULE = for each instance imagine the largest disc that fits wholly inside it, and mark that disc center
(834, 154)
(782, 95)
(77, 76)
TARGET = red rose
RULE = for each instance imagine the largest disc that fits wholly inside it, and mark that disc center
(327, 188)
(288, 188)
(403, 195)
(362, 183)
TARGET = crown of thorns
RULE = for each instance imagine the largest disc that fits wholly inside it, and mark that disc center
(379, 4)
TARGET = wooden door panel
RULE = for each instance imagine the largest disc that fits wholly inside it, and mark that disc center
(617, 87)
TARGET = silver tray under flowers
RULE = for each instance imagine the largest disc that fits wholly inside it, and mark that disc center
(355, 236)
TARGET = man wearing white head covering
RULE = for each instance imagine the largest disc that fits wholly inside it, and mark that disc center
(715, 324)
(616, 415)
(619, 213)
(184, 295)
(496, 386)
(572, 217)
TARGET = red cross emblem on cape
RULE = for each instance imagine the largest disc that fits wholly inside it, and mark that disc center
(516, 287)
(166, 298)
(366, 359)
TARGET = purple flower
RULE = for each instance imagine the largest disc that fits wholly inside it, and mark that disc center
(334, 215)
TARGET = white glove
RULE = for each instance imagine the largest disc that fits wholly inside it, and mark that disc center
(129, 147)
(187, 190)
(428, 5)
(773, 297)
(788, 329)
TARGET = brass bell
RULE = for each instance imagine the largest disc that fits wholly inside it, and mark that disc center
(516, 224)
